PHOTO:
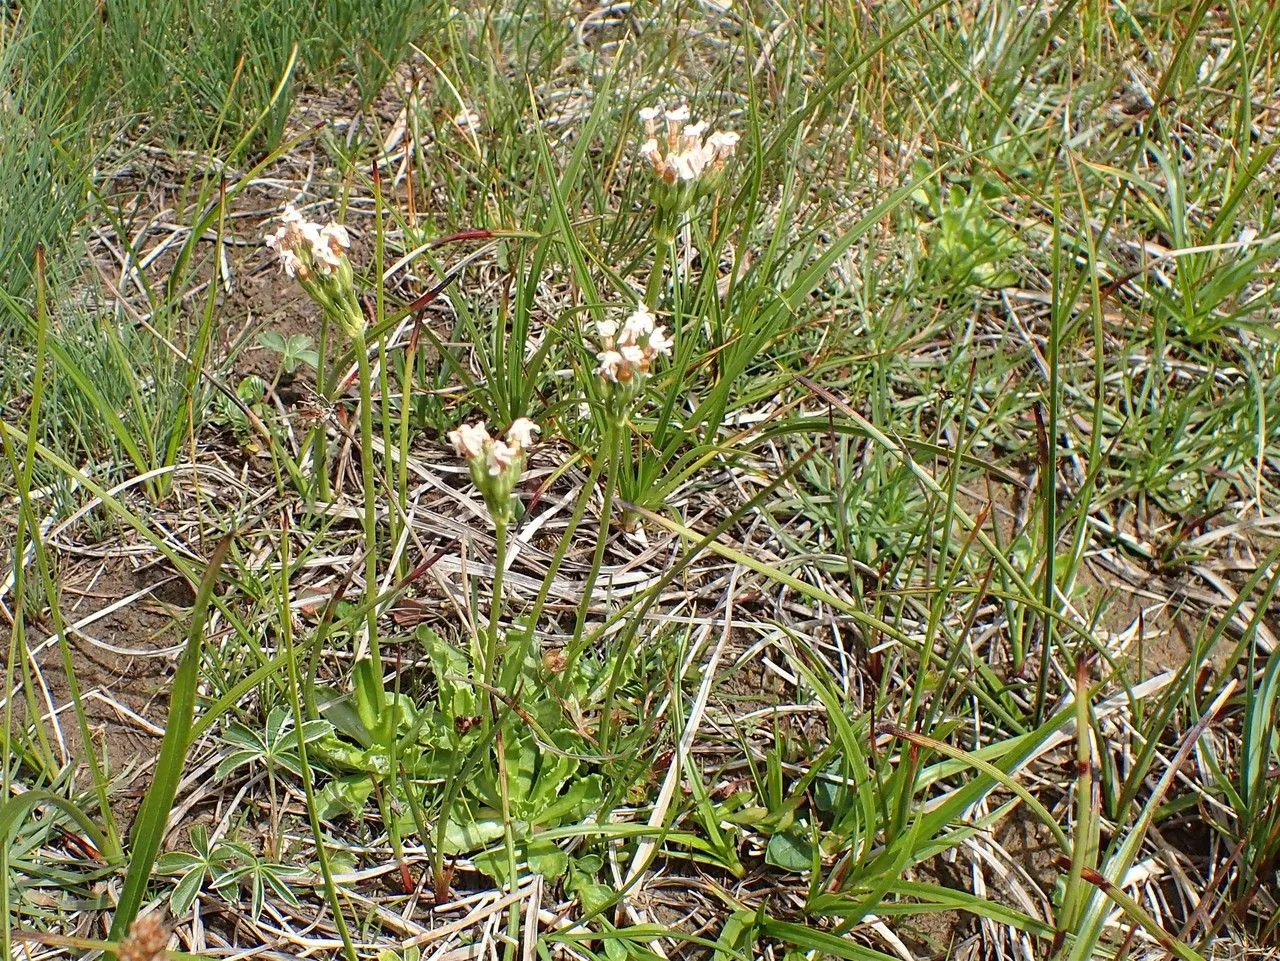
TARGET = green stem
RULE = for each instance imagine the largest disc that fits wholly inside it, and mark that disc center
(402, 458)
(495, 720)
(612, 442)
(527, 637)
(508, 837)
(319, 445)
(654, 287)
(495, 613)
(369, 482)
(308, 782)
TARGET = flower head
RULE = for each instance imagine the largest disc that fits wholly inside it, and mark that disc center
(638, 326)
(496, 465)
(611, 365)
(626, 356)
(658, 343)
(469, 440)
(316, 256)
(722, 144)
(501, 456)
(683, 155)
(146, 941)
(649, 116)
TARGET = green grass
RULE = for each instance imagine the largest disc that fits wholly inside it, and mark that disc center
(921, 600)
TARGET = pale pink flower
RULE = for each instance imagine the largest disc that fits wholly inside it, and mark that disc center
(649, 116)
(691, 136)
(611, 363)
(722, 144)
(501, 456)
(520, 433)
(688, 165)
(469, 440)
(638, 325)
(330, 247)
(658, 342)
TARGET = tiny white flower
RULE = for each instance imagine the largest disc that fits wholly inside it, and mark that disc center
(676, 118)
(329, 245)
(469, 440)
(520, 433)
(336, 237)
(638, 325)
(632, 354)
(658, 342)
(290, 262)
(292, 215)
(721, 144)
(691, 136)
(688, 166)
(501, 457)
(607, 329)
(610, 363)
(649, 151)
(649, 117)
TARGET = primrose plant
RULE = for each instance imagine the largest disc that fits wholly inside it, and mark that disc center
(315, 255)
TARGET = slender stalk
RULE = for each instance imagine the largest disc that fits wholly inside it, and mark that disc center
(526, 637)
(308, 782)
(491, 674)
(406, 412)
(1083, 852)
(319, 440)
(495, 613)
(508, 837)
(654, 287)
(369, 482)
(612, 438)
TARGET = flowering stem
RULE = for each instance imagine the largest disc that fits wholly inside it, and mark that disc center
(495, 612)
(369, 482)
(508, 836)
(319, 447)
(402, 454)
(654, 286)
(612, 442)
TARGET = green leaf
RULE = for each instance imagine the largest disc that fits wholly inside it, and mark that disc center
(472, 836)
(546, 858)
(234, 760)
(790, 851)
(344, 795)
(152, 821)
(177, 862)
(186, 891)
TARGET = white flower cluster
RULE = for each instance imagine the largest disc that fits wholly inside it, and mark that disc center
(496, 464)
(303, 245)
(316, 256)
(628, 351)
(473, 442)
(678, 152)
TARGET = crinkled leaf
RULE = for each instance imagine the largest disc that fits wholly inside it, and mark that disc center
(546, 858)
(343, 795)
